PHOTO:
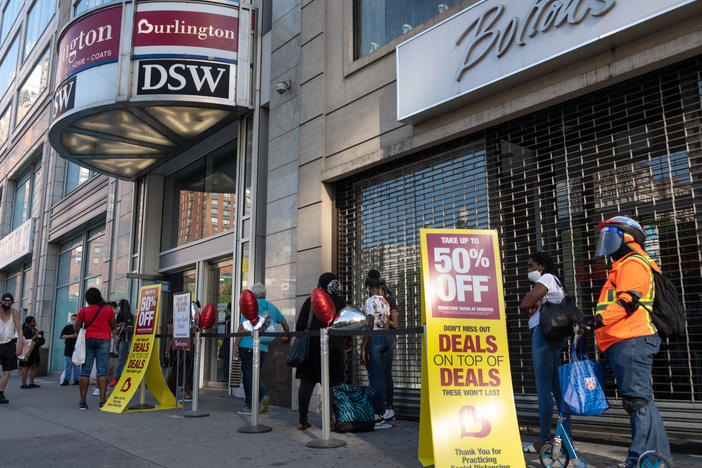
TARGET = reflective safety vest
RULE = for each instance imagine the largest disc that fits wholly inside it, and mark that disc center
(630, 273)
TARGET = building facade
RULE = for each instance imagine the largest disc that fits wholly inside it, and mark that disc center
(130, 155)
(537, 119)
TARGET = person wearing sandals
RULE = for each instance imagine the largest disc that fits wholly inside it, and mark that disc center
(545, 353)
(9, 347)
(31, 364)
(309, 372)
(99, 321)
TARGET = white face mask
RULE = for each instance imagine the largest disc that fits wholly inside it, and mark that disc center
(534, 276)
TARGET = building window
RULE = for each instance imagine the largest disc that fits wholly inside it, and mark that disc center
(24, 194)
(33, 86)
(85, 5)
(8, 66)
(213, 175)
(215, 202)
(38, 18)
(214, 212)
(75, 175)
(4, 125)
(9, 15)
(378, 22)
(79, 267)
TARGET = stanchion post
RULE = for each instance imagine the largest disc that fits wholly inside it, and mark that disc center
(255, 427)
(326, 441)
(142, 398)
(195, 412)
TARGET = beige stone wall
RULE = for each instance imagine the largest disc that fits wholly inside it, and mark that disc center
(348, 109)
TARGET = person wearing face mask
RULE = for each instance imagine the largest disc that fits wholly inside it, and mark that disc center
(10, 330)
(69, 335)
(545, 353)
(626, 334)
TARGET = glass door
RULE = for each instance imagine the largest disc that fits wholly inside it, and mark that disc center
(216, 351)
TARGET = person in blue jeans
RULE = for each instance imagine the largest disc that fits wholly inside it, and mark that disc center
(243, 349)
(545, 353)
(375, 349)
(70, 335)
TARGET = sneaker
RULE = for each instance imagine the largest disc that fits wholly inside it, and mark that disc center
(3, 400)
(96, 392)
(33, 385)
(380, 423)
(102, 403)
(389, 414)
(113, 383)
(64, 383)
(25, 386)
(245, 410)
(265, 403)
(83, 406)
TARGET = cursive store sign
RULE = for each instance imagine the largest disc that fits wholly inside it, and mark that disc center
(494, 32)
(497, 44)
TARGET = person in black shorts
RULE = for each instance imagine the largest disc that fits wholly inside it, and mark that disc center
(9, 348)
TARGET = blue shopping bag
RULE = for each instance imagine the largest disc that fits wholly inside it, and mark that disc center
(582, 383)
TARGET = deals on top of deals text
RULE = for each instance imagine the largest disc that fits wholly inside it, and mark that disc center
(462, 275)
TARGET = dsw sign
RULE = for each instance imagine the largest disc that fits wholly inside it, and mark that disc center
(189, 77)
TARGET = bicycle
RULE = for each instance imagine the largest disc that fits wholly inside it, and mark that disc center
(552, 454)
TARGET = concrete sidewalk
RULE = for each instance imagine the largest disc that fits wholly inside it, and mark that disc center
(43, 427)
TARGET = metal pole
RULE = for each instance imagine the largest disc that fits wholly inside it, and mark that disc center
(142, 398)
(255, 427)
(326, 441)
(194, 412)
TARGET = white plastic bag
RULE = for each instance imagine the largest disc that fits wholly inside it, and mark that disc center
(79, 349)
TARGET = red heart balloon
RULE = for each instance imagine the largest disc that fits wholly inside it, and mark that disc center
(323, 305)
(208, 315)
(248, 305)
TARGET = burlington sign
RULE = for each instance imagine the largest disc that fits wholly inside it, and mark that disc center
(495, 44)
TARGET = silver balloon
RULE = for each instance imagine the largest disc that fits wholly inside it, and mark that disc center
(264, 321)
(350, 318)
(194, 313)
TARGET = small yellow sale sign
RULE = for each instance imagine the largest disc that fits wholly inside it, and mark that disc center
(467, 417)
(143, 361)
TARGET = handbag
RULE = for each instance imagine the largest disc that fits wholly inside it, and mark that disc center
(27, 348)
(78, 357)
(582, 383)
(557, 320)
(299, 350)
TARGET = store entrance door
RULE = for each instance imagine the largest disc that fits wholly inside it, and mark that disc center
(216, 350)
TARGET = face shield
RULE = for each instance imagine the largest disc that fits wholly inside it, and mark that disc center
(610, 241)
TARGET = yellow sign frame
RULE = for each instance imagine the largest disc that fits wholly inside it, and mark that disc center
(467, 415)
(143, 363)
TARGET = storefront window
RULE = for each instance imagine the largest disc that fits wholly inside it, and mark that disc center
(191, 193)
(9, 16)
(380, 21)
(38, 18)
(85, 5)
(33, 87)
(8, 66)
(217, 351)
(80, 267)
(4, 125)
(75, 175)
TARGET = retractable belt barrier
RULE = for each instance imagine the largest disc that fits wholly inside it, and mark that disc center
(326, 441)
(330, 332)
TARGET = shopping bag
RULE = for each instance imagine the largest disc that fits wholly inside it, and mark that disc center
(582, 383)
(78, 357)
(27, 348)
(353, 408)
(235, 373)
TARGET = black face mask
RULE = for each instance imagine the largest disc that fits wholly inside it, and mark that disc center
(5, 306)
(621, 251)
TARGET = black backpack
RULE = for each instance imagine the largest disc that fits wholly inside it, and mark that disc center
(668, 313)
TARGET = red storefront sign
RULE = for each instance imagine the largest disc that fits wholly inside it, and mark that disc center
(462, 275)
(186, 29)
(146, 318)
(90, 41)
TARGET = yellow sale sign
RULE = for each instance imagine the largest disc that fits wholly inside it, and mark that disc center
(467, 417)
(143, 361)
